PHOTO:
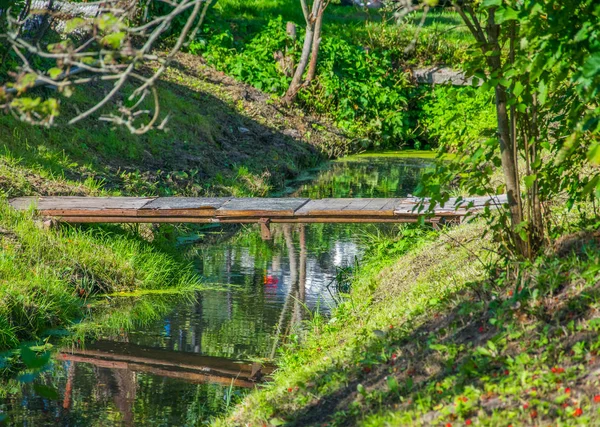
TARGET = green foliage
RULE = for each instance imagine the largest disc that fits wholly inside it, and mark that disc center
(547, 117)
(360, 82)
(363, 91)
(454, 118)
(254, 64)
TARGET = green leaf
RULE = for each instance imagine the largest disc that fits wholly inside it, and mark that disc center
(32, 360)
(45, 391)
(518, 89)
(530, 180)
(114, 40)
(361, 389)
(592, 66)
(392, 383)
(506, 14)
(543, 92)
(504, 82)
(491, 3)
(73, 24)
(594, 154)
(54, 72)
(590, 186)
(276, 422)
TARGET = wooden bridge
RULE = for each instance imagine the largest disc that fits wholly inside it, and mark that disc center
(245, 210)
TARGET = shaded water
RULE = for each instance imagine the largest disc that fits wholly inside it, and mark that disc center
(182, 369)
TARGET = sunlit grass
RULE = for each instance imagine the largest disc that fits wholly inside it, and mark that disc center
(49, 277)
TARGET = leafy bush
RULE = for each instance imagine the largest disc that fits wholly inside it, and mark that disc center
(454, 116)
(360, 89)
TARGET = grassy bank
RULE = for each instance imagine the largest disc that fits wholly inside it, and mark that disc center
(49, 278)
(433, 333)
(223, 138)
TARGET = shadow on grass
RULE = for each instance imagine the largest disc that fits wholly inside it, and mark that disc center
(421, 362)
(207, 142)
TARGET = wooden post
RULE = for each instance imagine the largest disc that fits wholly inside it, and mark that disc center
(265, 230)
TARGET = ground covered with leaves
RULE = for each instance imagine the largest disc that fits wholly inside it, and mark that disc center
(445, 335)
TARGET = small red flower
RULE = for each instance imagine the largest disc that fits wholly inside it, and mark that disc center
(464, 399)
(526, 405)
(468, 422)
(506, 372)
(448, 424)
(533, 414)
(394, 356)
(289, 390)
(391, 326)
(481, 329)
(597, 398)
(565, 405)
(510, 293)
(567, 390)
(578, 412)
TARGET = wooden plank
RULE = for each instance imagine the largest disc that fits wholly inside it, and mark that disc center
(321, 207)
(261, 207)
(370, 207)
(183, 206)
(23, 203)
(237, 220)
(81, 206)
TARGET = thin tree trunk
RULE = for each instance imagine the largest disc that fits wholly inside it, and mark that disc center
(296, 83)
(312, 68)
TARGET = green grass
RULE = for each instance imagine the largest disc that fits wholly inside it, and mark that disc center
(203, 152)
(47, 278)
(438, 336)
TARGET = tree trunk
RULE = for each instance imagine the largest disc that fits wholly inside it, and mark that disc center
(312, 68)
(507, 152)
(296, 83)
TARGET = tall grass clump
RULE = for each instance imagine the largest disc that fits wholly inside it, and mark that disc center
(47, 278)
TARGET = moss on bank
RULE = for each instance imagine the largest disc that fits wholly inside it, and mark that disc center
(438, 337)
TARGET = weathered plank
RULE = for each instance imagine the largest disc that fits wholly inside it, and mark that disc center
(183, 206)
(260, 207)
(348, 208)
(82, 206)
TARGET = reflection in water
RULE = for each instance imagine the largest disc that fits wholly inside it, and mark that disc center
(183, 369)
(361, 177)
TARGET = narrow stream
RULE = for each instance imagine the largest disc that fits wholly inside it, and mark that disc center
(183, 369)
